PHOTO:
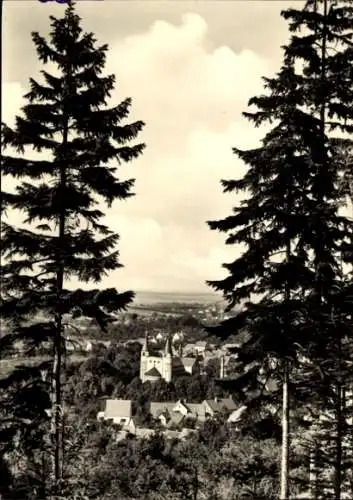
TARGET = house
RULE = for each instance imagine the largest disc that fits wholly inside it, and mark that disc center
(216, 406)
(201, 346)
(174, 413)
(189, 410)
(177, 337)
(119, 411)
(158, 409)
(171, 419)
(170, 414)
(197, 412)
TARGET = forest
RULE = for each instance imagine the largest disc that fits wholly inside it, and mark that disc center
(292, 274)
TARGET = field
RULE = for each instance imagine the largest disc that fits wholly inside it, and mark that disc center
(149, 298)
(7, 365)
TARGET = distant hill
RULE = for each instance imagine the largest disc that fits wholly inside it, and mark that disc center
(145, 297)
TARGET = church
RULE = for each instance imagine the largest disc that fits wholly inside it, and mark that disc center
(165, 364)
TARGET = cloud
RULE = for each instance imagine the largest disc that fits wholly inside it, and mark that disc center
(179, 83)
(191, 97)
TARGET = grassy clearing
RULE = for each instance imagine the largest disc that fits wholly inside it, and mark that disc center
(7, 365)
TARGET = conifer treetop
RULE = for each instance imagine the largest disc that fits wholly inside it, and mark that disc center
(86, 143)
(288, 228)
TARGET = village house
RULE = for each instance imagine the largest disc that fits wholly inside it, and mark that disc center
(178, 337)
(173, 416)
(174, 413)
(216, 406)
(201, 346)
(118, 411)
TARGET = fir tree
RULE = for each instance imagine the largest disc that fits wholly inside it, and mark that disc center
(61, 237)
(289, 225)
(328, 86)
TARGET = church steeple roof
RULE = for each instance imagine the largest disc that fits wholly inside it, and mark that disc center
(146, 343)
(168, 346)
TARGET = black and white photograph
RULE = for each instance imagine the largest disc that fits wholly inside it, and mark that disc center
(176, 256)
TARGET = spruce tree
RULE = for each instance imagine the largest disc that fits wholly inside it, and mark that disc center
(83, 141)
(327, 56)
(289, 225)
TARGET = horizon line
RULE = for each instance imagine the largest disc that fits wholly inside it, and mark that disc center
(177, 292)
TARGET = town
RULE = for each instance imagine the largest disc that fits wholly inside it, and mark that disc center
(176, 272)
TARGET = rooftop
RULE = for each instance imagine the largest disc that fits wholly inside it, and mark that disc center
(153, 372)
(115, 408)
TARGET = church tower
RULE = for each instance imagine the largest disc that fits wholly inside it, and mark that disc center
(144, 357)
(168, 360)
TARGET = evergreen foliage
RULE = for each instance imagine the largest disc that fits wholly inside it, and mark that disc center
(292, 235)
(60, 194)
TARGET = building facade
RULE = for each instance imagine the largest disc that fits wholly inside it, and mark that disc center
(164, 364)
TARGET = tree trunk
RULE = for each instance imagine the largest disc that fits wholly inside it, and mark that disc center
(338, 457)
(313, 477)
(284, 495)
(57, 409)
(339, 427)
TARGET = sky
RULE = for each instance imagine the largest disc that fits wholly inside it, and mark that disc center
(190, 68)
